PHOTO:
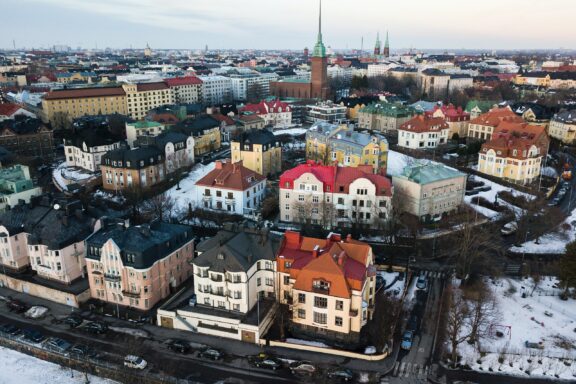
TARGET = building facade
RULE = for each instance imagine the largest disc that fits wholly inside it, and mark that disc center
(186, 89)
(384, 117)
(259, 151)
(142, 97)
(563, 127)
(128, 169)
(216, 89)
(423, 132)
(16, 185)
(325, 111)
(27, 138)
(483, 126)
(143, 128)
(456, 118)
(87, 146)
(275, 113)
(205, 130)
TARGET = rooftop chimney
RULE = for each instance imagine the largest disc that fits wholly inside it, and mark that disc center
(315, 251)
(341, 258)
(218, 164)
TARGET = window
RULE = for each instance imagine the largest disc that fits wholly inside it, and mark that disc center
(301, 313)
(269, 281)
(286, 280)
(302, 298)
(320, 302)
(320, 318)
(258, 281)
(321, 284)
(338, 321)
(339, 305)
(287, 264)
(315, 199)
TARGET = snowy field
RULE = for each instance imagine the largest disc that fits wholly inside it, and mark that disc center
(187, 192)
(19, 368)
(392, 283)
(541, 318)
(553, 242)
(290, 131)
(64, 175)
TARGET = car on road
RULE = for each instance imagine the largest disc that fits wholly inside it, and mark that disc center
(267, 362)
(180, 346)
(211, 353)
(73, 321)
(302, 368)
(17, 306)
(96, 327)
(509, 228)
(422, 283)
(342, 374)
(33, 335)
(192, 300)
(471, 193)
(407, 340)
(412, 323)
(10, 329)
(57, 344)
(82, 350)
(135, 362)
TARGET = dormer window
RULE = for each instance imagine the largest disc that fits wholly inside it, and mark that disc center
(321, 285)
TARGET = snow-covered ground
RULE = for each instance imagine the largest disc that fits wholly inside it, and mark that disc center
(16, 367)
(541, 318)
(395, 289)
(290, 131)
(187, 192)
(116, 198)
(307, 342)
(553, 242)
(64, 175)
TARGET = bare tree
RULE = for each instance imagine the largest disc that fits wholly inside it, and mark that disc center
(457, 318)
(161, 207)
(483, 310)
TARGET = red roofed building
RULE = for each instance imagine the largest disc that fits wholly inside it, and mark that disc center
(334, 196)
(514, 152)
(275, 113)
(10, 111)
(423, 132)
(329, 285)
(187, 89)
(456, 118)
(484, 125)
(231, 187)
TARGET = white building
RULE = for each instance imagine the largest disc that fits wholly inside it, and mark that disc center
(232, 188)
(216, 89)
(244, 87)
(143, 128)
(187, 89)
(379, 69)
(86, 148)
(423, 132)
(326, 111)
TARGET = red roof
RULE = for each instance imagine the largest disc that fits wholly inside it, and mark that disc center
(450, 112)
(8, 109)
(495, 116)
(424, 123)
(84, 92)
(186, 80)
(223, 118)
(335, 177)
(265, 107)
(510, 136)
(143, 87)
(228, 175)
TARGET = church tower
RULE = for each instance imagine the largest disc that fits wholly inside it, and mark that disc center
(319, 86)
(387, 46)
(377, 46)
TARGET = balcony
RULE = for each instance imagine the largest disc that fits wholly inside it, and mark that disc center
(217, 278)
(134, 294)
(108, 277)
(353, 313)
(206, 197)
(229, 201)
(218, 292)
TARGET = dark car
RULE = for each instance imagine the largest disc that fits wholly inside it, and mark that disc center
(17, 306)
(96, 327)
(180, 346)
(32, 335)
(82, 350)
(73, 321)
(268, 363)
(59, 345)
(471, 193)
(412, 323)
(9, 329)
(212, 354)
(342, 374)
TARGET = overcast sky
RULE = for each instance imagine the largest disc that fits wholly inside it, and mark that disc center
(288, 24)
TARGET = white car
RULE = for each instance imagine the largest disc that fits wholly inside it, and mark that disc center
(509, 228)
(135, 362)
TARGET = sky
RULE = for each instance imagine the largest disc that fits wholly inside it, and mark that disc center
(288, 24)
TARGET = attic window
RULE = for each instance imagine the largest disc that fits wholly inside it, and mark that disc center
(220, 256)
(322, 285)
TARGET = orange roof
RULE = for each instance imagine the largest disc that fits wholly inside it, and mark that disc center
(228, 175)
(496, 115)
(509, 136)
(84, 92)
(324, 268)
(424, 123)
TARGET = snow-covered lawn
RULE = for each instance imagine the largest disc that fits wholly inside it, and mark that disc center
(307, 342)
(553, 242)
(116, 198)
(392, 283)
(290, 131)
(64, 175)
(541, 318)
(16, 367)
(187, 192)
(397, 162)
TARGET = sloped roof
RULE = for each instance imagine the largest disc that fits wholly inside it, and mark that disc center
(186, 80)
(494, 116)
(8, 109)
(425, 173)
(227, 175)
(84, 93)
(424, 123)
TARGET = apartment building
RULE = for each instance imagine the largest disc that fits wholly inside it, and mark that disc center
(132, 168)
(515, 152)
(216, 89)
(231, 187)
(563, 127)
(334, 196)
(275, 113)
(16, 185)
(384, 117)
(434, 83)
(429, 191)
(484, 125)
(325, 111)
(456, 118)
(143, 128)
(178, 149)
(205, 130)
(423, 132)
(251, 86)
(87, 146)
(27, 137)
(142, 97)
(328, 284)
(187, 89)
(137, 266)
(259, 151)
(329, 143)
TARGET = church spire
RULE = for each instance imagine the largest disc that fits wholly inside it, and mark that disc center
(387, 46)
(377, 45)
(319, 48)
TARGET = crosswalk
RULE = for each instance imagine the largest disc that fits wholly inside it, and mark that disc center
(403, 369)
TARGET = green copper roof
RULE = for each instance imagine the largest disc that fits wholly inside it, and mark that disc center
(145, 124)
(389, 109)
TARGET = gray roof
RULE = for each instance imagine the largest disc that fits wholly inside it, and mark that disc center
(425, 173)
(236, 250)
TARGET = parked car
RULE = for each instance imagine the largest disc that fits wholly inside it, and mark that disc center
(135, 362)
(73, 321)
(407, 340)
(180, 346)
(422, 283)
(192, 300)
(212, 354)
(471, 193)
(10, 329)
(484, 188)
(302, 367)
(82, 350)
(412, 323)
(96, 327)
(509, 228)
(342, 374)
(529, 344)
(59, 345)
(268, 363)
(17, 306)
(33, 335)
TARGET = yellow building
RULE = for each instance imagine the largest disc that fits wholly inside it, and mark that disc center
(540, 79)
(68, 77)
(68, 104)
(260, 151)
(141, 98)
(563, 127)
(206, 132)
(329, 143)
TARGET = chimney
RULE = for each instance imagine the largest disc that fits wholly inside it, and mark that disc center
(348, 238)
(218, 164)
(315, 251)
(341, 258)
